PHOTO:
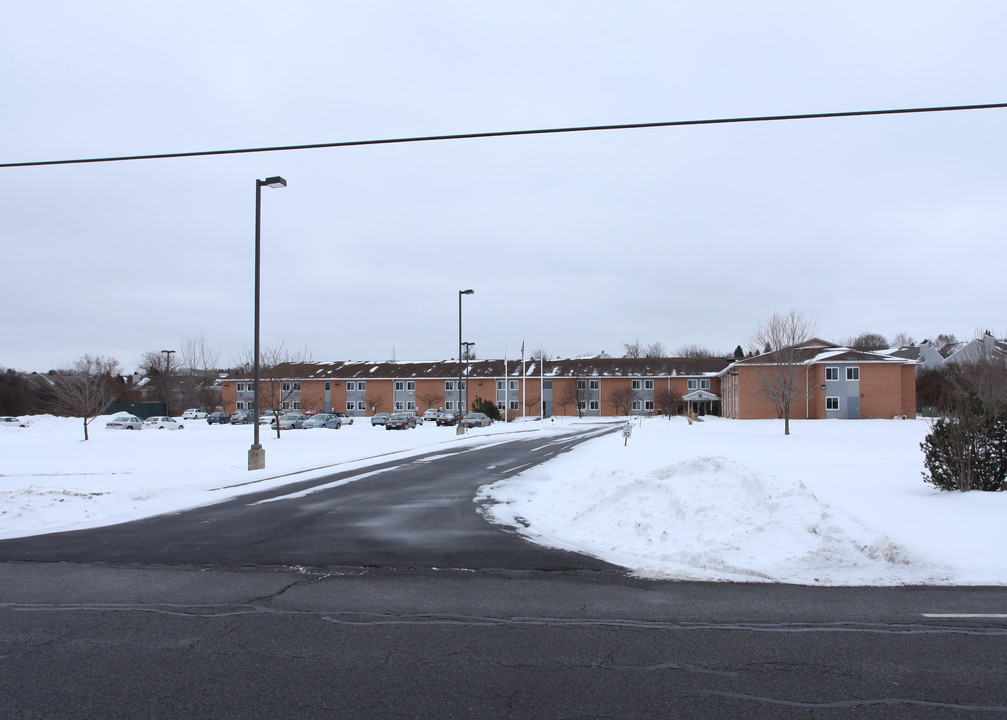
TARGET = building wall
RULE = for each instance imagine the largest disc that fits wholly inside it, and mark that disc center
(884, 391)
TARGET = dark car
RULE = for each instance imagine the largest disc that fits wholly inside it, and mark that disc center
(218, 418)
(242, 417)
(447, 418)
(401, 421)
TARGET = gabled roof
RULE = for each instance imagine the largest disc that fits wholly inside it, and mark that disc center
(818, 351)
(598, 366)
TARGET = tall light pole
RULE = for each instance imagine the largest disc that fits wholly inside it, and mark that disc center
(167, 377)
(257, 454)
(460, 411)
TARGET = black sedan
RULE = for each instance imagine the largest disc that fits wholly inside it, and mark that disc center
(218, 418)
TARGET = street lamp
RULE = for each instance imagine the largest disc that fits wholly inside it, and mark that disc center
(257, 454)
(460, 411)
(167, 377)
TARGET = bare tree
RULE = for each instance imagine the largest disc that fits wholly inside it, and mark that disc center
(902, 340)
(779, 370)
(575, 393)
(431, 399)
(198, 364)
(667, 401)
(540, 355)
(655, 350)
(279, 379)
(945, 343)
(633, 349)
(533, 405)
(86, 388)
(696, 351)
(983, 373)
(622, 400)
(868, 341)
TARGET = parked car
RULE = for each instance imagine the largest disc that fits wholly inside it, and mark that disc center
(162, 423)
(347, 420)
(379, 419)
(292, 421)
(193, 414)
(323, 420)
(400, 421)
(218, 418)
(13, 422)
(242, 417)
(476, 419)
(311, 413)
(267, 419)
(431, 414)
(447, 418)
(124, 422)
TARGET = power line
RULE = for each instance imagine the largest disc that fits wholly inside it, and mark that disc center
(509, 133)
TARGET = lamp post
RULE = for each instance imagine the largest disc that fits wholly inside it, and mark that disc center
(167, 377)
(257, 454)
(460, 410)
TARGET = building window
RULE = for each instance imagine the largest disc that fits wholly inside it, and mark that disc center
(515, 405)
(501, 405)
(831, 373)
(410, 405)
(350, 406)
(411, 386)
(449, 385)
(291, 386)
(693, 384)
(361, 405)
(637, 385)
(831, 403)
(637, 405)
(240, 387)
(593, 405)
(582, 384)
(852, 373)
(449, 405)
(328, 386)
(648, 384)
(239, 405)
(351, 386)
(513, 385)
(593, 384)
(398, 406)
(501, 384)
(704, 384)
(361, 385)
(399, 386)
(648, 405)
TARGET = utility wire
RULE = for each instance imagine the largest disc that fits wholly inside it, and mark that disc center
(509, 133)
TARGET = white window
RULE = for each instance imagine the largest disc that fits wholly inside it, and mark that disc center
(831, 373)
(328, 386)
(501, 405)
(501, 384)
(648, 405)
(351, 386)
(410, 386)
(361, 405)
(593, 405)
(593, 384)
(361, 385)
(350, 406)
(582, 384)
(449, 385)
(240, 387)
(291, 387)
(514, 405)
(704, 384)
(410, 405)
(399, 386)
(398, 406)
(239, 405)
(648, 384)
(449, 405)
(637, 405)
(513, 385)
(637, 384)
(693, 384)
(831, 403)
(284, 405)
(852, 373)
(296, 404)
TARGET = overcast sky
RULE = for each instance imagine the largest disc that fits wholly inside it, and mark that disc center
(574, 243)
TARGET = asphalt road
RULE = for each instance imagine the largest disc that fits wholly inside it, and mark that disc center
(390, 597)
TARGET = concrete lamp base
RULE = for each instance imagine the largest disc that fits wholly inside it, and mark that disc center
(256, 458)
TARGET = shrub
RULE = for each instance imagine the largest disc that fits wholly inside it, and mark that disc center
(968, 449)
(488, 407)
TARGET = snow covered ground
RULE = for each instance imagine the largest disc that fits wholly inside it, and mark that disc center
(835, 503)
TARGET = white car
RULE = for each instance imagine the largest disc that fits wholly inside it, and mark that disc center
(431, 414)
(124, 422)
(194, 414)
(13, 422)
(162, 423)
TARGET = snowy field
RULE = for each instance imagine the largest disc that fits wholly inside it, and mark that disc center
(836, 503)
